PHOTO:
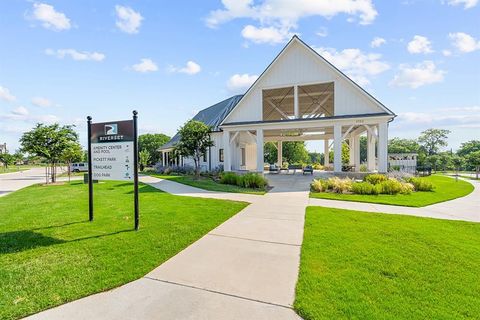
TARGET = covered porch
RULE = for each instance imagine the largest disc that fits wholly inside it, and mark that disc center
(244, 142)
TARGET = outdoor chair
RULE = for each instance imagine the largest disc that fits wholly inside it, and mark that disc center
(273, 168)
(307, 169)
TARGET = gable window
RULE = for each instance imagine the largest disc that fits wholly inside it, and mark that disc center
(220, 155)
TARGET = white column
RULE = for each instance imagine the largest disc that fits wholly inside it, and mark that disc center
(370, 151)
(351, 150)
(356, 153)
(337, 147)
(326, 152)
(296, 109)
(382, 147)
(279, 153)
(163, 159)
(260, 150)
(227, 159)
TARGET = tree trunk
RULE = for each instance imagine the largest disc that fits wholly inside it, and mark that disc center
(53, 172)
(476, 172)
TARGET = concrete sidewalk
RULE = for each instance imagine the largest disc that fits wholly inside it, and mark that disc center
(246, 268)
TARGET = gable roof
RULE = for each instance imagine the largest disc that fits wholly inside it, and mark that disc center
(211, 116)
(294, 39)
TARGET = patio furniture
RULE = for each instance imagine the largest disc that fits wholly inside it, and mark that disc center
(294, 167)
(307, 169)
(273, 168)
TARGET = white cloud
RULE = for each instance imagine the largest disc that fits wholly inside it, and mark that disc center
(145, 65)
(50, 18)
(377, 42)
(467, 4)
(357, 65)
(464, 42)
(239, 83)
(75, 55)
(447, 53)
(128, 20)
(458, 117)
(420, 44)
(6, 95)
(278, 17)
(190, 68)
(416, 76)
(289, 12)
(20, 111)
(41, 102)
(271, 35)
(322, 32)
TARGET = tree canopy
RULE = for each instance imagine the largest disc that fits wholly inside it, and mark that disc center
(194, 141)
(292, 152)
(468, 147)
(151, 142)
(49, 142)
(432, 140)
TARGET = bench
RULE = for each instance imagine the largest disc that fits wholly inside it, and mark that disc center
(294, 168)
(307, 169)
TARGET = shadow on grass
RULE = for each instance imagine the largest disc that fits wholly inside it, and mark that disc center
(17, 241)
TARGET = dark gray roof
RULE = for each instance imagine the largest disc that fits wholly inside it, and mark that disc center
(211, 116)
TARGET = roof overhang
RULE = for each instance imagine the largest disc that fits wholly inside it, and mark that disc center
(361, 119)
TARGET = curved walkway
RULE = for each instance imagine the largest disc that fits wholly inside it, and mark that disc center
(246, 268)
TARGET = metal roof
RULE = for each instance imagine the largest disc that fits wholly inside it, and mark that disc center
(211, 116)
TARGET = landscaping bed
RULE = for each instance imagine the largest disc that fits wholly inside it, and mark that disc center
(51, 254)
(230, 182)
(358, 265)
(443, 189)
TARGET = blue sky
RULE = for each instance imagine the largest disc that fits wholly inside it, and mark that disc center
(64, 60)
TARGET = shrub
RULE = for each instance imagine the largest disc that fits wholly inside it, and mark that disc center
(399, 175)
(390, 186)
(248, 180)
(228, 178)
(363, 168)
(252, 180)
(340, 185)
(365, 188)
(375, 178)
(319, 185)
(317, 166)
(407, 188)
(421, 184)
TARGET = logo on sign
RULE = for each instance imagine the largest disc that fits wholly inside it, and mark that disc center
(111, 129)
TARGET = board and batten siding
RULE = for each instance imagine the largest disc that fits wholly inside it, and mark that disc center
(298, 65)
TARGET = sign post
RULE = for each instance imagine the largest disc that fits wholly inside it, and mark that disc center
(135, 167)
(90, 181)
(113, 155)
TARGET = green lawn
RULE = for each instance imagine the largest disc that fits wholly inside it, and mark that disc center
(51, 254)
(209, 184)
(13, 168)
(446, 188)
(358, 265)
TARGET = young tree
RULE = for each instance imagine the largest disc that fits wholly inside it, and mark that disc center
(49, 142)
(458, 163)
(73, 153)
(433, 160)
(398, 145)
(194, 142)
(6, 159)
(445, 159)
(143, 158)
(473, 158)
(432, 140)
(151, 142)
